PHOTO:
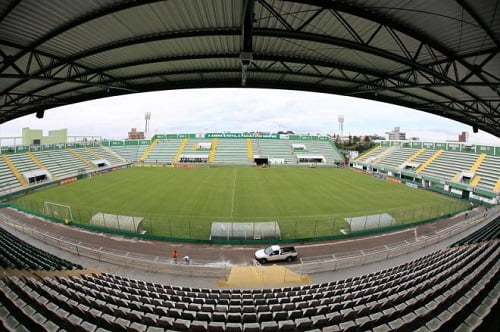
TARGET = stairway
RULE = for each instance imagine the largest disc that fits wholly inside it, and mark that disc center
(113, 153)
(475, 180)
(415, 155)
(249, 149)
(367, 153)
(478, 162)
(383, 154)
(92, 152)
(14, 170)
(79, 156)
(497, 186)
(429, 161)
(39, 163)
(148, 150)
(213, 148)
(180, 150)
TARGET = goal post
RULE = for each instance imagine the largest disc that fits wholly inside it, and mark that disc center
(60, 211)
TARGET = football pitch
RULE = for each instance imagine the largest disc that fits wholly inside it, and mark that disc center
(183, 202)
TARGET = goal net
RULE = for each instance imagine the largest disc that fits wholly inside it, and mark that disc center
(59, 211)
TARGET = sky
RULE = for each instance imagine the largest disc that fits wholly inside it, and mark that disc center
(238, 110)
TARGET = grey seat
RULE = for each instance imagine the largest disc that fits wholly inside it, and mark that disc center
(216, 326)
(286, 325)
(269, 327)
(234, 327)
(199, 326)
(182, 324)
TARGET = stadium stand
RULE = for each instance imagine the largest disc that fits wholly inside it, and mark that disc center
(232, 151)
(491, 231)
(274, 149)
(8, 182)
(105, 153)
(449, 163)
(372, 154)
(61, 163)
(488, 171)
(194, 148)
(395, 159)
(23, 162)
(441, 166)
(131, 153)
(164, 151)
(448, 289)
(17, 254)
(455, 288)
(424, 156)
(327, 149)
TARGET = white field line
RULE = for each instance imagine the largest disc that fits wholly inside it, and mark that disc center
(234, 189)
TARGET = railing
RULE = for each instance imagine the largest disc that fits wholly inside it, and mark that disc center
(217, 269)
(197, 267)
(350, 259)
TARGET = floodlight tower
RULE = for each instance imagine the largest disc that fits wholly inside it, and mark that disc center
(147, 117)
(341, 125)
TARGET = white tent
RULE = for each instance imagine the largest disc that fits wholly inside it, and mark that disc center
(204, 146)
(299, 146)
(245, 230)
(116, 221)
(373, 221)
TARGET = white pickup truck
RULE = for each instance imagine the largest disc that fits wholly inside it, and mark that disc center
(276, 253)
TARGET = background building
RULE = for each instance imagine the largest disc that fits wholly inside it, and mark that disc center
(396, 135)
(463, 137)
(134, 134)
(35, 137)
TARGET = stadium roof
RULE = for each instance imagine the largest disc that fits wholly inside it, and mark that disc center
(440, 57)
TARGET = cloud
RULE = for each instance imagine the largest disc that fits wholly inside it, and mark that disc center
(200, 110)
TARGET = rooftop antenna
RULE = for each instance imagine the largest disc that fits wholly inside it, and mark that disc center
(147, 117)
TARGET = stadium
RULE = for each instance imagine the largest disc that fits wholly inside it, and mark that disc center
(402, 237)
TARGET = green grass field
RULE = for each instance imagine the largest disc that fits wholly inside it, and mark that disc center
(183, 202)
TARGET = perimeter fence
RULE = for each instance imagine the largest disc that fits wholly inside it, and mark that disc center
(217, 269)
(197, 229)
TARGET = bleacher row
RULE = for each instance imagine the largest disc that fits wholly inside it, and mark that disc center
(17, 254)
(444, 167)
(491, 231)
(456, 288)
(68, 162)
(235, 150)
(59, 163)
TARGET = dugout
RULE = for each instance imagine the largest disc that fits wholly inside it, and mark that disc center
(261, 160)
(245, 230)
(316, 159)
(100, 163)
(37, 176)
(193, 158)
(409, 166)
(374, 221)
(118, 222)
